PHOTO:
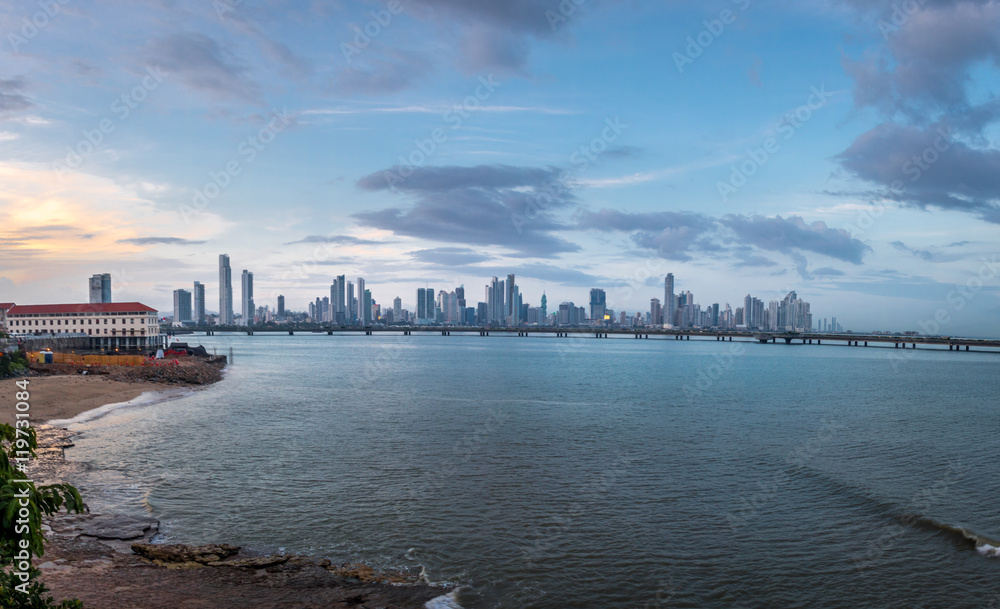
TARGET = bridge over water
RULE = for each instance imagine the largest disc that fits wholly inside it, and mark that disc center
(852, 340)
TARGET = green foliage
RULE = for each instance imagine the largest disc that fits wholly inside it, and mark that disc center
(22, 503)
(36, 598)
(10, 365)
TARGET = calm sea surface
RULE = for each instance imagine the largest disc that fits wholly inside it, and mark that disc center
(566, 473)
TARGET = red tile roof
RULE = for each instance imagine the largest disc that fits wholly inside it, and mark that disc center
(97, 307)
(6, 305)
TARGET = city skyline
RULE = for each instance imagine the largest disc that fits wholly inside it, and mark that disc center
(691, 143)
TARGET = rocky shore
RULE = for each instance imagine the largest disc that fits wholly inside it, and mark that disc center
(108, 561)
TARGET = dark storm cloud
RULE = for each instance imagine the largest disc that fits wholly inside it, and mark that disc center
(202, 64)
(485, 205)
(159, 241)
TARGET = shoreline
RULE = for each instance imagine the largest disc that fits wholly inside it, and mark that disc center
(108, 561)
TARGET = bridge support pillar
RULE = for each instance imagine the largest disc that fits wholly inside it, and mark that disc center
(329, 332)
(914, 345)
(966, 347)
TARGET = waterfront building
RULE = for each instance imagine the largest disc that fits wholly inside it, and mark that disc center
(124, 325)
(4, 307)
(225, 291)
(655, 312)
(397, 309)
(182, 307)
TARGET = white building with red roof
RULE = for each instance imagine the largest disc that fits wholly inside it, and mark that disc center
(108, 325)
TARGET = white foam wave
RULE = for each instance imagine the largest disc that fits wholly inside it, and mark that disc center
(988, 550)
(145, 398)
(448, 601)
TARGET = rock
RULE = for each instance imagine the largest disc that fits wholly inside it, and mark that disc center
(47, 566)
(255, 562)
(183, 555)
(117, 527)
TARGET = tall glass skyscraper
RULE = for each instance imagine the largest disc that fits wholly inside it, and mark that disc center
(669, 300)
(249, 310)
(225, 291)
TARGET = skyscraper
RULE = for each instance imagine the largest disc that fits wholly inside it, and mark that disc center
(199, 303)
(598, 305)
(225, 291)
(460, 297)
(100, 288)
(509, 299)
(495, 298)
(655, 312)
(351, 309)
(340, 306)
(669, 301)
(397, 309)
(182, 306)
(361, 315)
(281, 305)
(366, 306)
(249, 310)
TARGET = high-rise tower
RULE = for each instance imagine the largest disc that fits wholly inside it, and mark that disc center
(225, 291)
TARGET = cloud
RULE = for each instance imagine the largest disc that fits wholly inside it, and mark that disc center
(12, 98)
(924, 64)
(828, 271)
(923, 168)
(202, 64)
(449, 256)
(336, 239)
(784, 235)
(924, 254)
(382, 71)
(672, 234)
(160, 241)
(498, 205)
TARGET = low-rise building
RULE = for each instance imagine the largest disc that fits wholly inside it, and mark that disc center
(119, 325)
(4, 307)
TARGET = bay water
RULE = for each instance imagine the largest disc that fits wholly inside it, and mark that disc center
(552, 472)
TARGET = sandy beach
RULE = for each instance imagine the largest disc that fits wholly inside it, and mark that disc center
(64, 397)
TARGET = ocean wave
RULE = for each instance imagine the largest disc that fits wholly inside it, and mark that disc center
(448, 601)
(144, 399)
(982, 544)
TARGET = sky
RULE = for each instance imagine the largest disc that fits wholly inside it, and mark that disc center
(844, 149)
